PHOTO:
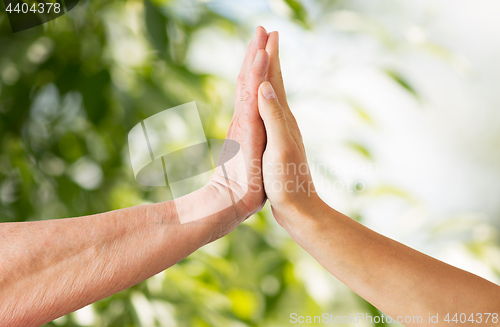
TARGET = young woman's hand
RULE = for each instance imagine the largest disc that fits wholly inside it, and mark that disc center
(287, 178)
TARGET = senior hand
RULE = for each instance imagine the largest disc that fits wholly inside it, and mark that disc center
(241, 176)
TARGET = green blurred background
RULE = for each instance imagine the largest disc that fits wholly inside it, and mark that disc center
(71, 90)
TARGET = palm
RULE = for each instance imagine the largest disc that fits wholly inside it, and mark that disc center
(242, 173)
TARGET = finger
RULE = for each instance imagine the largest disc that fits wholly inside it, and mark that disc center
(272, 114)
(254, 78)
(259, 42)
(275, 77)
(274, 72)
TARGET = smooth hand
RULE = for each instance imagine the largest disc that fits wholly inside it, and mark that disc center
(287, 179)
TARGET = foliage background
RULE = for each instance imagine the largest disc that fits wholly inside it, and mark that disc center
(396, 102)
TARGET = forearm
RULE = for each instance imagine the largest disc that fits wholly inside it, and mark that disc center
(398, 280)
(50, 268)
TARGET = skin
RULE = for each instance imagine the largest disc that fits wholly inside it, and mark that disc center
(50, 268)
(398, 280)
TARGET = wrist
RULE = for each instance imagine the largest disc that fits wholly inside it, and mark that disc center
(208, 210)
(304, 219)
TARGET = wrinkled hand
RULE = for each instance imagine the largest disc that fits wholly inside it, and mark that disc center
(241, 176)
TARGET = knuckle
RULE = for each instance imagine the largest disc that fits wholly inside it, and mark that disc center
(241, 78)
(254, 74)
(277, 114)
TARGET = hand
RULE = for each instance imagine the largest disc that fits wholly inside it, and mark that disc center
(287, 178)
(240, 179)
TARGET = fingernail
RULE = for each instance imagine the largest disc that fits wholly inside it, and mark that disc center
(268, 91)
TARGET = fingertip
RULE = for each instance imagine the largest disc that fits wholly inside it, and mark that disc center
(276, 36)
(260, 28)
(261, 32)
(261, 38)
(273, 43)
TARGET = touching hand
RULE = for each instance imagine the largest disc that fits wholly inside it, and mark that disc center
(287, 178)
(241, 176)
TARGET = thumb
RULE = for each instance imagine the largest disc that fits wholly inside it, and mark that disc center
(272, 113)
